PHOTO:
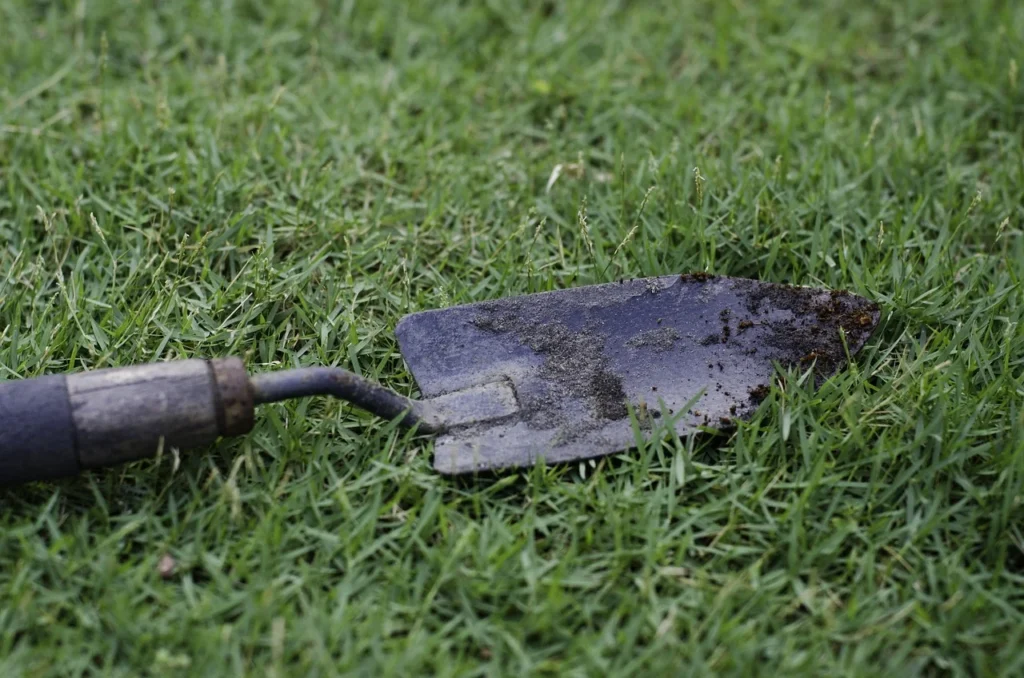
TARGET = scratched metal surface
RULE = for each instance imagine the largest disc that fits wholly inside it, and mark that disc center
(697, 349)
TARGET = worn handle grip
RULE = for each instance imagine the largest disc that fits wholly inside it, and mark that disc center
(57, 426)
(37, 434)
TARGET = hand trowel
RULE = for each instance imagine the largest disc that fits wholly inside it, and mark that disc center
(553, 376)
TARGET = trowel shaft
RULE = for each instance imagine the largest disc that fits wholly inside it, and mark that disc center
(60, 425)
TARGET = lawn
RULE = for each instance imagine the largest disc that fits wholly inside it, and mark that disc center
(285, 180)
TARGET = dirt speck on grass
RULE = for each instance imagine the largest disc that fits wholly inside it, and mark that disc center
(167, 566)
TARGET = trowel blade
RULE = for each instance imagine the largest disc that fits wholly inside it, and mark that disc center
(574, 358)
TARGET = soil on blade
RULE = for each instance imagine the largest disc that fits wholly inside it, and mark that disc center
(811, 333)
(661, 339)
(574, 366)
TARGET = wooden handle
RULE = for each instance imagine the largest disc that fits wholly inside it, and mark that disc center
(57, 426)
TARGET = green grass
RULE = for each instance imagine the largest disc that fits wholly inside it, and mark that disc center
(285, 180)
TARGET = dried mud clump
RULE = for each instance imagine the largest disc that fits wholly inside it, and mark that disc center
(759, 393)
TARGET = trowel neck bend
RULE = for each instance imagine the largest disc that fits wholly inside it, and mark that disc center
(334, 381)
